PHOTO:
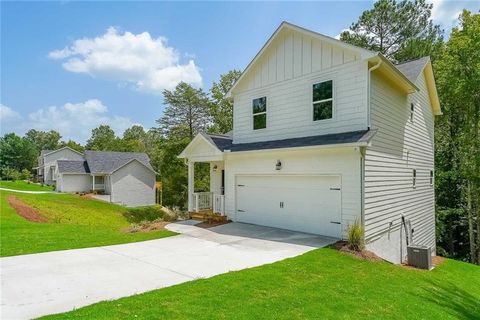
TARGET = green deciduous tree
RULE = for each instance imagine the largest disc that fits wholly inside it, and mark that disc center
(103, 138)
(17, 153)
(221, 108)
(44, 140)
(400, 30)
(458, 130)
(72, 144)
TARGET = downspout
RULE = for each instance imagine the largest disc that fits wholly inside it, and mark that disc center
(368, 89)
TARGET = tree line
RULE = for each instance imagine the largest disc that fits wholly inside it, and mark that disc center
(402, 31)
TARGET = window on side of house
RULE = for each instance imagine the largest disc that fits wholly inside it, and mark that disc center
(322, 100)
(259, 108)
(414, 180)
(412, 110)
(431, 177)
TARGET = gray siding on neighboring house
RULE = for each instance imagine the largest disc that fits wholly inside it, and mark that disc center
(133, 185)
(49, 161)
(399, 146)
(74, 182)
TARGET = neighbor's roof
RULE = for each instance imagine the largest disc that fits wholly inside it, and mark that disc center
(44, 152)
(109, 161)
(72, 166)
(412, 69)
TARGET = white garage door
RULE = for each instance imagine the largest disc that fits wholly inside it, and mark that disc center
(309, 204)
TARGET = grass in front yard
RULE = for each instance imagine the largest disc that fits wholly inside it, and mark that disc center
(321, 284)
(73, 222)
(22, 185)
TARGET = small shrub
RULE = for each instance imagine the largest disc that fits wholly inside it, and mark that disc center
(26, 175)
(355, 236)
(11, 174)
(149, 214)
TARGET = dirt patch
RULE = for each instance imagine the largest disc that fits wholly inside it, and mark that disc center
(437, 260)
(25, 211)
(364, 254)
(146, 227)
(207, 225)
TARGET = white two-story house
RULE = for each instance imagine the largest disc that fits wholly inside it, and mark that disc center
(326, 133)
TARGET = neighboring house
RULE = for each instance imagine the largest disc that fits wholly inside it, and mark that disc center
(127, 177)
(47, 161)
(326, 133)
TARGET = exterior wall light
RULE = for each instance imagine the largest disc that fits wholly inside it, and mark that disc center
(278, 166)
(215, 168)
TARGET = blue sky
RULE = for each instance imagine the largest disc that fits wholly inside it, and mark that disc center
(131, 51)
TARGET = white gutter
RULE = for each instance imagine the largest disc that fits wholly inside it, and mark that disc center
(368, 89)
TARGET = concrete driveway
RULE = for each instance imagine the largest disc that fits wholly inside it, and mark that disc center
(53, 282)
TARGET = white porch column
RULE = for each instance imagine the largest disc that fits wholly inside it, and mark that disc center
(93, 182)
(191, 184)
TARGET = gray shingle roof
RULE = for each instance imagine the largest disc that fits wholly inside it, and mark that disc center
(222, 141)
(108, 161)
(336, 138)
(72, 166)
(412, 69)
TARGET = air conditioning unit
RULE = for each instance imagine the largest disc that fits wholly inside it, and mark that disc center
(419, 256)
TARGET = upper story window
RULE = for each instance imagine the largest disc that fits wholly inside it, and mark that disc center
(412, 110)
(322, 99)
(414, 178)
(431, 177)
(259, 108)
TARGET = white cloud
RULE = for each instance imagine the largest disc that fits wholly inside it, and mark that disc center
(8, 114)
(72, 120)
(446, 12)
(338, 35)
(146, 62)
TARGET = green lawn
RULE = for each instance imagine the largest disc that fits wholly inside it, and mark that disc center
(73, 222)
(22, 185)
(321, 284)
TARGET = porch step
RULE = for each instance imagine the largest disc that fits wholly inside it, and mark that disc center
(207, 215)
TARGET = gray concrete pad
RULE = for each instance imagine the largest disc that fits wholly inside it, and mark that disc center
(53, 282)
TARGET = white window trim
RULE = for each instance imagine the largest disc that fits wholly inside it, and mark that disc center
(258, 113)
(333, 99)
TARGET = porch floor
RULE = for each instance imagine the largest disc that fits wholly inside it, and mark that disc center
(207, 215)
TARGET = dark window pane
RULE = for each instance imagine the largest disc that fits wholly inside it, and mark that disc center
(259, 121)
(322, 110)
(322, 91)
(260, 105)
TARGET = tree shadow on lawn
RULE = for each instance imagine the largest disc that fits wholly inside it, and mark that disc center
(459, 302)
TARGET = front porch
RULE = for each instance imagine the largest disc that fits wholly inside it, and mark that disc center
(208, 203)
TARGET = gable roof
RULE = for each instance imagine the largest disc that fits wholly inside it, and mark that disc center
(72, 166)
(221, 141)
(412, 69)
(46, 152)
(364, 53)
(109, 161)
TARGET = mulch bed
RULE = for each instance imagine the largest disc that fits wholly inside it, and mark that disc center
(154, 226)
(25, 211)
(207, 225)
(364, 254)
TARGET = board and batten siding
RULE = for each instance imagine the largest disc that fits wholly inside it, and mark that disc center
(399, 146)
(285, 73)
(300, 162)
(133, 185)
